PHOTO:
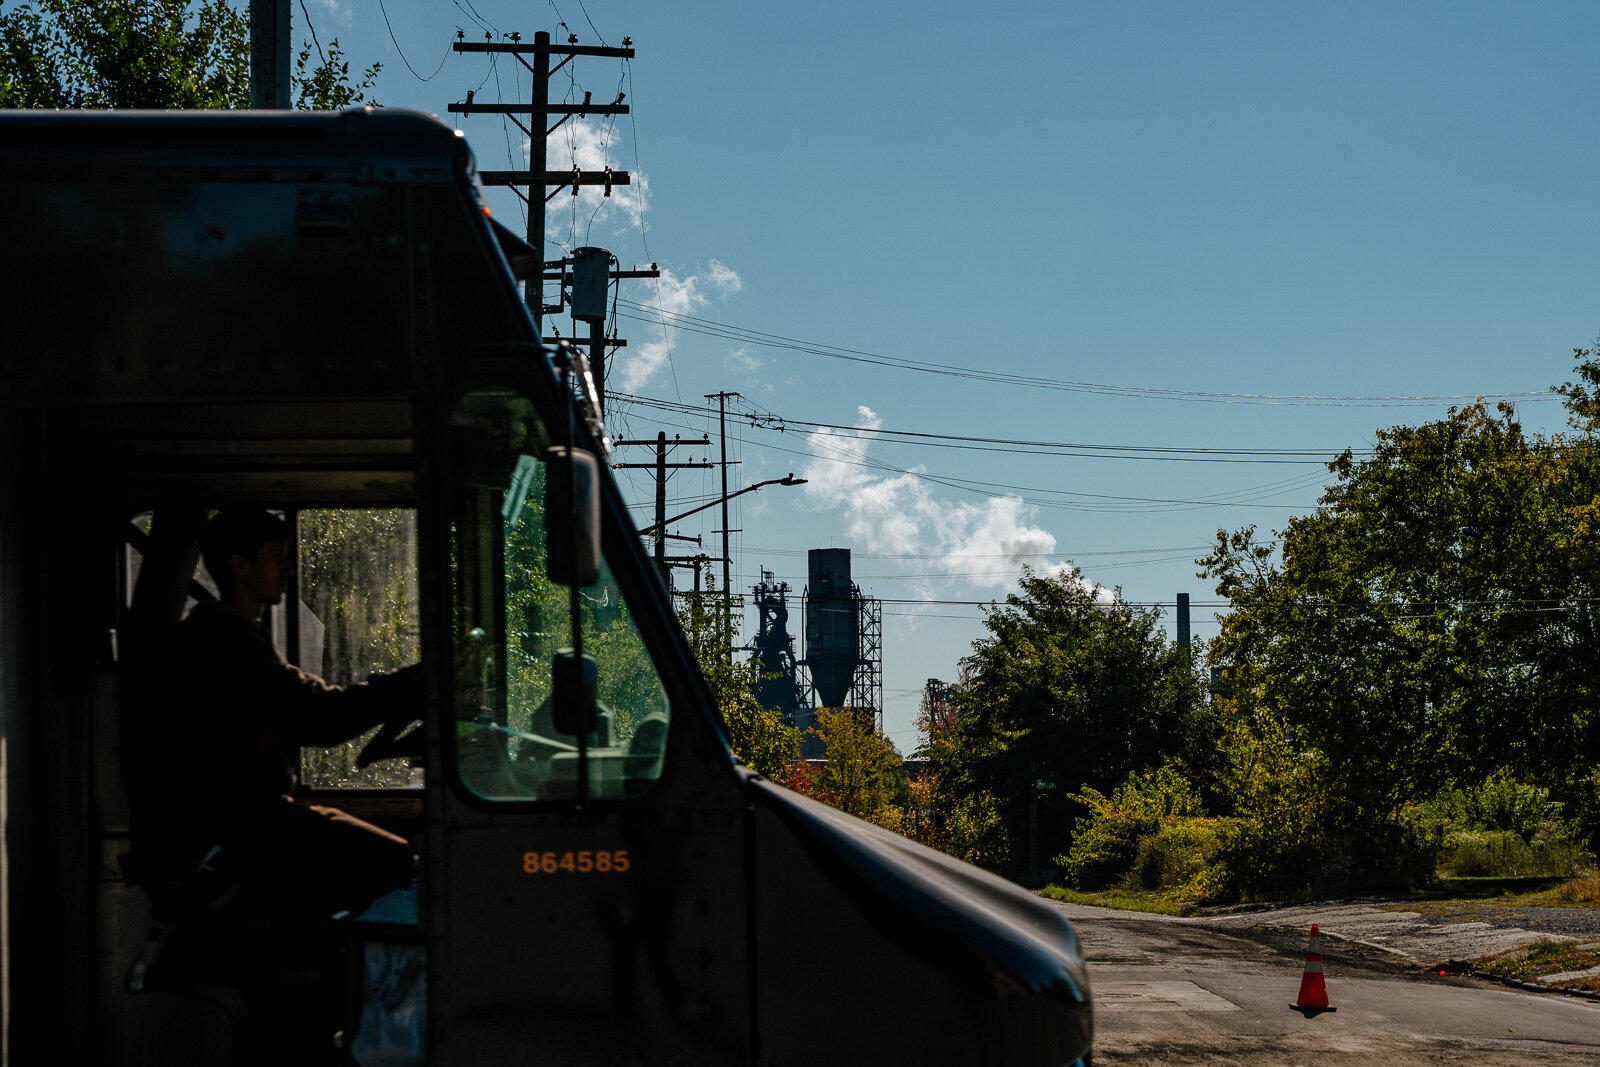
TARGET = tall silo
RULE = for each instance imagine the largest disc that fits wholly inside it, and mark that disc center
(833, 638)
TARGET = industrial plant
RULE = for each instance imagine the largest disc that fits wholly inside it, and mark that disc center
(843, 662)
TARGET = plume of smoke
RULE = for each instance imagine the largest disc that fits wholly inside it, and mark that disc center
(894, 513)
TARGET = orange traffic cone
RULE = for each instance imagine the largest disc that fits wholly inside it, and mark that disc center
(1313, 991)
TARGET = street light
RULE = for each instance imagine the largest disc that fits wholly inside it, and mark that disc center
(660, 527)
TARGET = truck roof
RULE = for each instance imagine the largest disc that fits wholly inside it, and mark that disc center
(393, 145)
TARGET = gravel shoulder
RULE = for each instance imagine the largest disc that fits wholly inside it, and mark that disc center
(1483, 939)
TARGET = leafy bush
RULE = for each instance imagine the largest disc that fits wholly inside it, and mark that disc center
(1505, 854)
(1275, 843)
(1107, 840)
(1181, 856)
(965, 825)
(1370, 853)
(1500, 828)
(1486, 853)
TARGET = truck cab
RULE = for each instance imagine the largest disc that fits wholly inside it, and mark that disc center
(315, 314)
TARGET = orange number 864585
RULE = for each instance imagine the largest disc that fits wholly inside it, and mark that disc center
(585, 861)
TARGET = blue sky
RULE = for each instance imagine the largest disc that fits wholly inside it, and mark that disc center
(1226, 203)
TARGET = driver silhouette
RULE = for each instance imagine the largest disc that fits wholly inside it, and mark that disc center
(230, 746)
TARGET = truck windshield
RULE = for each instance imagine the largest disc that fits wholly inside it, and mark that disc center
(511, 621)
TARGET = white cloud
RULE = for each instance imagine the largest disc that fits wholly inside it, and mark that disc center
(1102, 596)
(835, 472)
(981, 536)
(589, 144)
(740, 359)
(330, 13)
(724, 277)
(677, 294)
(983, 545)
(674, 296)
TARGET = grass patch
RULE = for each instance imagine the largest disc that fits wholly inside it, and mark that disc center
(1457, 895)
(1574, 893)
(1121, 899)
(1479, 888)
(1541, 959)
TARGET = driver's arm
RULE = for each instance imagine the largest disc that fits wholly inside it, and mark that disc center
(299, 706)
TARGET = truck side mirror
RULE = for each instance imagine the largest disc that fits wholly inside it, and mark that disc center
(572, 516)
(572, 695)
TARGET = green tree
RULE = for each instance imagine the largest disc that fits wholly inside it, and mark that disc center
(1278, 839)
(1073, 688)
(118, 54)
(864, 774)
(539, 624)
(1106, 841)
(942, 811)
(1434, 619)
(757, 734)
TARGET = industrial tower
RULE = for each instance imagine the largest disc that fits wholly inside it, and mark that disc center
(780, 686)
(844, 637)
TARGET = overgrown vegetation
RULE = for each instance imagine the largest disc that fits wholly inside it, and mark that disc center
(1406, 689)
(358, 579)
(1073, 687)
(1122, 899)
(757, 735)
(1499, 828)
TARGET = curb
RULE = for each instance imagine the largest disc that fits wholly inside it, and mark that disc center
(1532, 987)
(1529, 987)
(1462, 968)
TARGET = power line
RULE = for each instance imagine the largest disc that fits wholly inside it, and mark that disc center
(472, 13)
(968, 575)
(998, 555)
(1018, 446)
(710, 327)
(402, 52)
(313, 28)
(829, 429)
(1129, 505)
(1411, 609)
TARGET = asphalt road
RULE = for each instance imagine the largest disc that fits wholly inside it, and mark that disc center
(1189, 991)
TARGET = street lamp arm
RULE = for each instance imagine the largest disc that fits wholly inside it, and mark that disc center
(655, 528)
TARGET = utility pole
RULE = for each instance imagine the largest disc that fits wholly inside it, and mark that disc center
(1033, 820)
(661, 466)
(539, 109)
(269, 55)
(1036, 785)
(590, 277)
(727, 554)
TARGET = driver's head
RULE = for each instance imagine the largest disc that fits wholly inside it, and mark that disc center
(246, 552)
